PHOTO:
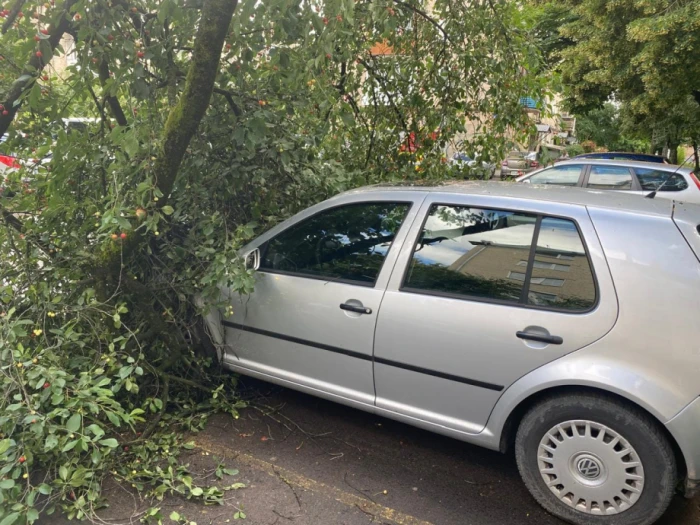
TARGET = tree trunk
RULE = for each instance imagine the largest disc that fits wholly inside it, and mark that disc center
(184, 118)
(673, 152)
(696, 153)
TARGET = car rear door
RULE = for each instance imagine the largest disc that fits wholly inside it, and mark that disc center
(485, 290)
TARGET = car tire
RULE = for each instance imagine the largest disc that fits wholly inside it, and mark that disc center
(587, 447)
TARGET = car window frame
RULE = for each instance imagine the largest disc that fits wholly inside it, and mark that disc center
(582, 176)
(264, 247)
(402, 288)
(635, 183)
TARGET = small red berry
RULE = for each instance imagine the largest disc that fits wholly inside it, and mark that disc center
(140, 54)
(22, 459)
(44, 31)
(123, 236)
(110, 37)
(325, 20)
(328, 56)
(126, 449)
(36, 38)
(114, 236)
(45, 77)
(339, 18)
(20, 14)
(5, 112)
(134, 9)
(47, 385)
(39, 54)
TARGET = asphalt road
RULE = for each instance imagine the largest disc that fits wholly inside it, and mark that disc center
(428, 477)
(306, 461)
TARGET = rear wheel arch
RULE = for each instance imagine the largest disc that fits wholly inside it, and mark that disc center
(510, 428)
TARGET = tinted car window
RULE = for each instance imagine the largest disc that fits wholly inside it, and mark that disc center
(487, 254)
(610, 178)
(561, 175)
(651, 180)
(349, 242)
(470, 251)
(561, 273)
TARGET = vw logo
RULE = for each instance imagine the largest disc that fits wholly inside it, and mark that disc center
(588, 468)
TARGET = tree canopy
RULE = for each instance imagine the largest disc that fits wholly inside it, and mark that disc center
(211, 120)
(641, 53)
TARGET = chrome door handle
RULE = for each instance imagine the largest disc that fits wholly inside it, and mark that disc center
(356, 309)
(540, 338)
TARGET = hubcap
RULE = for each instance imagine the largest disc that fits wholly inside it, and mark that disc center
(590, 467)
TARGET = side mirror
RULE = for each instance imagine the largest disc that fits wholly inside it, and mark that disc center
(252, 259)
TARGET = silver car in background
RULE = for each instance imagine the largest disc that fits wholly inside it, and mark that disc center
(559, 322)
(670, 182)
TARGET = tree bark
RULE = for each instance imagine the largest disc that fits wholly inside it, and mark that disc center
(696, 152)
(185, 117)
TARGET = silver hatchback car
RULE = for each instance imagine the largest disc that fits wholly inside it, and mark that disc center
(559, 322)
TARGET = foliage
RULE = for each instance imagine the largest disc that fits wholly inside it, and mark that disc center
(640, 52)
(605, 127)
(213, 120)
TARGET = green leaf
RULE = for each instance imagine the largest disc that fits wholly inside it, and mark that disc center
(174, 516)
(70, 445)
(197, 491)
(5, 445)
(110, 442)
(63, 472)
(73, 423)
(7, 483)
(32, 515)
(168, 210)
(10, 518)
(50, 443)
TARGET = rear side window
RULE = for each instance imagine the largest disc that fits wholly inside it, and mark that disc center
(502, 256)
(660, 180)
(346, 243)
(610, 178)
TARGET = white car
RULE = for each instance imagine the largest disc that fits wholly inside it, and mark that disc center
(668, 181)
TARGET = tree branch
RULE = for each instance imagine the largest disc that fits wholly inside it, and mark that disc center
(229, 98)
(12, 16)
(34, 66)
(112, 101)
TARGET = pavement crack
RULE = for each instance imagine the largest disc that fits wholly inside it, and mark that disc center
(345, 478)
(291, 487)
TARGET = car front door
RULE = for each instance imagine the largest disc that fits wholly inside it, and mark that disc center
(491, 289)
(310, 320)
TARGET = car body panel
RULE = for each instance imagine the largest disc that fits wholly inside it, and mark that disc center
(292, 326)
(685, 429)
(645, 350)
(474, 340)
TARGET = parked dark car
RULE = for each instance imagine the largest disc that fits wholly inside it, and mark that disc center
(614, 155)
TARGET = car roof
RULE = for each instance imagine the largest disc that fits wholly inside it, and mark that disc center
(627, 163)
(603, 153)
(615, 200)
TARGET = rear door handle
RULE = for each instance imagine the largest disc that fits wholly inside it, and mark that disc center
(540, 338)
(356, 309)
